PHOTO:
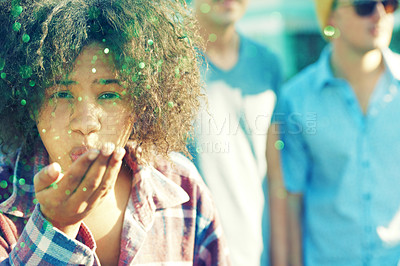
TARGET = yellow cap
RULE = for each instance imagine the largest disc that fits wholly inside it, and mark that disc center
(323, 9)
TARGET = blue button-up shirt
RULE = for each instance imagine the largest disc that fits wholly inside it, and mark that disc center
(345, 163)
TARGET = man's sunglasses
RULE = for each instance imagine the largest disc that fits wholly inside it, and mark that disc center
(366, 8)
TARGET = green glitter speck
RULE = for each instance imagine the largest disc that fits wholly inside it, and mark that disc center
(212, 37)
(279, 145)
(150, 42)
(32, 83)
(84, 189)
(26, 38)
(3, 75)
(16, 26)
(23, 102)
(21, 181)
(3, 184)
(16, 11)
(170, 104)
(79, 98)
(2, 63)
(205, 8)
(142, 65)
(35, 201)
(67, 192)
(22, 244)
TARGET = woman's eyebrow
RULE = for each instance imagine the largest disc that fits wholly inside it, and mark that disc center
(66, 82)
(106, 81)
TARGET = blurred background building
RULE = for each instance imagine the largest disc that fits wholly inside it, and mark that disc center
(289, 28)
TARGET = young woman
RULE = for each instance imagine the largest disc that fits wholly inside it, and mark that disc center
(95, 96)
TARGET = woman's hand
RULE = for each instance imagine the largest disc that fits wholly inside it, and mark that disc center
(66, 199)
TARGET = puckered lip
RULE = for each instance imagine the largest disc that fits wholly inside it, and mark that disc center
(77, 152)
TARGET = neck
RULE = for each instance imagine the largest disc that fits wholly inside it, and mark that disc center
(356, 67)
(224, 51)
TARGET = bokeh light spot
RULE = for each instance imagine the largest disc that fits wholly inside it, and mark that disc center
(44, 130)
(170, 104)
(3, 184)
(150, 42)
(2, 63)
(331, 31)
(79, 98)
(21, 181)
(84, 189)
(212, 37)
(16, 10)
(26, 38)
(32, 83)
(279, 145)
(106, 50)
(142, 65)
(3, 75)
(23, 102)
(94, 70)
(205, 8)
(16, 26)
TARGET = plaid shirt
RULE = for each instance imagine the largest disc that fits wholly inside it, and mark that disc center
(170, 219)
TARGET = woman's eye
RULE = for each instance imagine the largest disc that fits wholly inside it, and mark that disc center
(109, 96)
(62, 95)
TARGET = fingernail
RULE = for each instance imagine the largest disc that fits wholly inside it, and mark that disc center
(93, 154)
(119, 153)
(107, 149)
(54, 170)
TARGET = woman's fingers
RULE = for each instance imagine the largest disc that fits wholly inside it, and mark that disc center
(77, 171)
(46, 176)
(110, 176)
(98, 177)
(82, 187)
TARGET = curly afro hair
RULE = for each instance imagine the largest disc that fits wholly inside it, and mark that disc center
(154, 44)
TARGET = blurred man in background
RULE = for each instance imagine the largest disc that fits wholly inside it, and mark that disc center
(241, 78)
(340, 143)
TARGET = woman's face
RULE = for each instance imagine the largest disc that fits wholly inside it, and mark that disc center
(85, 110)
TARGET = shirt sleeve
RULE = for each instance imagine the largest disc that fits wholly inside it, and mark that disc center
(210, 246)
(295, 158)
(42, 244)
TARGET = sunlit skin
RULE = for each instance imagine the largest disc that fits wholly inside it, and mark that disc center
(85, 110)
(84, 123)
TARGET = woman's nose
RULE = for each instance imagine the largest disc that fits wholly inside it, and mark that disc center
(85, 118)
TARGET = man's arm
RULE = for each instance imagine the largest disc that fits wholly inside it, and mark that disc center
(295, 212)
(277, 201)
(285, 210)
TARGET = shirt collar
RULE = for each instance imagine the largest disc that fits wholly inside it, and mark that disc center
(150, 187)
(325, 74)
